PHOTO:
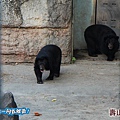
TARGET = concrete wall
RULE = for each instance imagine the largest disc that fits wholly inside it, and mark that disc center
(83, 16)
(28, 25)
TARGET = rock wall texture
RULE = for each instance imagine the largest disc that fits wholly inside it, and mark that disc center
(28, 25)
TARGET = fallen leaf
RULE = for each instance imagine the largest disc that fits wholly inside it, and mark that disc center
(53, 100)
(37, 114)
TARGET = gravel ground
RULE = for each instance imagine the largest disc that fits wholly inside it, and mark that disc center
(85, 90)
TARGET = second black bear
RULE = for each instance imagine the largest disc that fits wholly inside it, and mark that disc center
(48, 58)
(101, 39)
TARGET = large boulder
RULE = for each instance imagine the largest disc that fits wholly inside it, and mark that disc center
(8, 102)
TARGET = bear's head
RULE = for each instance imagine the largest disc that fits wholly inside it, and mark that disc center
(42, 63)
(111, 41)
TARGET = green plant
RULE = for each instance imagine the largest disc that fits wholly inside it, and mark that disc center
(73, 59)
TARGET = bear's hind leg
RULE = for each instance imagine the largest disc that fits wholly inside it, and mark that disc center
(51, 75)
(57, 71)
(57, 67)
(91, 46)
(92, 52)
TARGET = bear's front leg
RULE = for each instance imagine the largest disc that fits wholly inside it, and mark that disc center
(110, 55)
(38, 75)
(110, 58)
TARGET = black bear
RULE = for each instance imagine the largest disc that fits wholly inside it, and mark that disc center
(48, 58)
(101, 39)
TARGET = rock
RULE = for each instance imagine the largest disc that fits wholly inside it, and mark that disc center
(8, 102)
(59, 12)
(11, 13)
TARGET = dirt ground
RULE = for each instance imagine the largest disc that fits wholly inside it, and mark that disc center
(85, 90)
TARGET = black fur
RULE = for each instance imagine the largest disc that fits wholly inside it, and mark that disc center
(49, 58)
(101, 39)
